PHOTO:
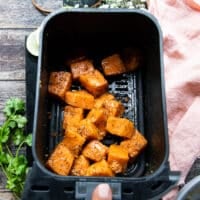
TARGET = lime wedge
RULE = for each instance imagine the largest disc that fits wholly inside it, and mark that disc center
(32, 43)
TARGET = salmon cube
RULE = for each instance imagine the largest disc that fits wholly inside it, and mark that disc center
(113, 65)
(134, 145)
(96, 115)
(120, 126)
(94, 82)
(80, 99)
(59, 83)
(81, 67)
(132, 58)
(75, 59)
(117, 158)
(95, 150)
(61, 160)
(114, 108)
(100, 168)
(70, 129)
(75, 55)
(80, 166)
(100, 100)
(74, 142)
(99, 118)
(72, 116)
(88, 130)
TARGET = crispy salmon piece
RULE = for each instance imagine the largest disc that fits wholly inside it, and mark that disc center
(99, 118)
(100, 168)
(95, 150)
(72, 116)
(81, 67)
(61, 160)
(94, 82)
(59, 83)
(74, 142)
(80, 166)
(113, 65)
(134, 145)
(75, 59)
(120, 126)
(71, 129)
(117, 158)
(80, 99)
(96, 115)
(88, 130)
(104, 97)
(113, 108)
(108, 101)
(132, 58)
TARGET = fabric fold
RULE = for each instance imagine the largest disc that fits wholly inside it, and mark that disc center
(181, 41)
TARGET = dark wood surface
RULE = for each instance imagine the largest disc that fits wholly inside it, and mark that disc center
(18, 18)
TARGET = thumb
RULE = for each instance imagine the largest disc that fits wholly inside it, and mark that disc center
(102, 192)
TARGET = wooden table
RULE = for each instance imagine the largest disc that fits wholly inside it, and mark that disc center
(18, 18)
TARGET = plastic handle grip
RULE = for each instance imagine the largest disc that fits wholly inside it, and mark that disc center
(84, 190)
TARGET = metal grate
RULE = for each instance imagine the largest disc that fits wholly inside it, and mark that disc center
(123, 87)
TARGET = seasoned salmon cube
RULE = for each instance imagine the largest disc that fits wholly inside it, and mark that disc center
(132, 58)
(88, 130)
(100, 100)
(75, 59)
(71, 130)
(134, 145)
(113, 65)
(81, 67)
(74, 142)
(114, 108)
(99, 118)
(72, 116)
(95, 150)
(80, 99)
(117, 158)
(94, 82)
(80, 166)
(96, 115)
(59, 83)
(61, 160)
(100, 168)
(75, 55)
(120, 126)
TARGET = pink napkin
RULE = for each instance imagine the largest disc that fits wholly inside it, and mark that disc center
(181, 30)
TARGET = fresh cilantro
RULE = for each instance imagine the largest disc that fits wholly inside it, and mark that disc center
(14, 165)
(14, 106)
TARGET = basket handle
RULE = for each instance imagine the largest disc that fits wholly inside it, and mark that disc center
(84, 190)
(153, 189)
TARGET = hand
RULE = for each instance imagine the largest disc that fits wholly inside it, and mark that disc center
(102, 192)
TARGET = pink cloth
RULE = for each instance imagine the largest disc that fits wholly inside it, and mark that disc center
(181, 30)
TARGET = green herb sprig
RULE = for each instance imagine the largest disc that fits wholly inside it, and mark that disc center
(12, 134)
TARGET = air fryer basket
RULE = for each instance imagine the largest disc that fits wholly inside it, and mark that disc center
(102, 32)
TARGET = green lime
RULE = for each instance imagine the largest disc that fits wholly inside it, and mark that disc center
(32, 43)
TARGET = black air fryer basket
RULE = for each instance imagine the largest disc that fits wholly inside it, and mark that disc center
(142, 93)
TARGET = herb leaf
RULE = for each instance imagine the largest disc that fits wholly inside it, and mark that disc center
(14, 166)
(20, 120)
(28, 140)
(4, 136)
(18, 137)
(14, 106)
